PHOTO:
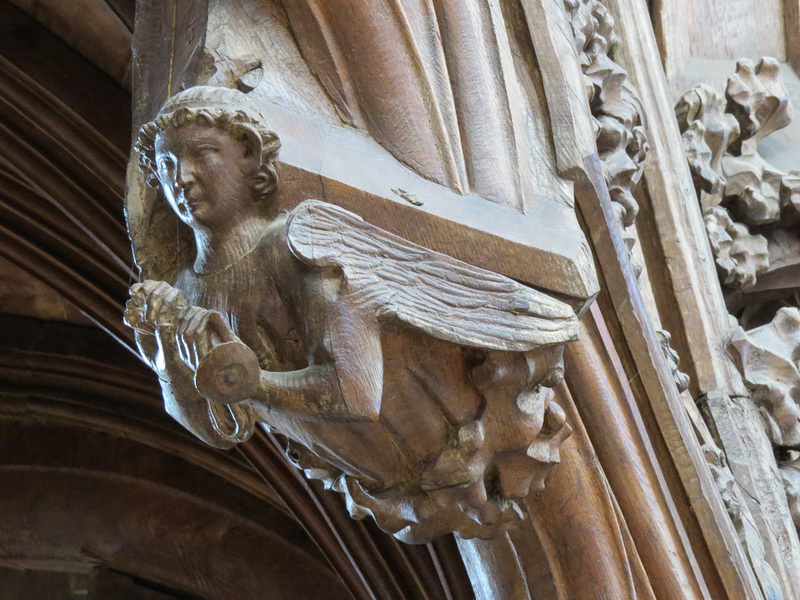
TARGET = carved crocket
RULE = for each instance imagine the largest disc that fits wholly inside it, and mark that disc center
(415, 384)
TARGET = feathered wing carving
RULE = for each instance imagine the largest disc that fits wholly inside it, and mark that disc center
(444, 297)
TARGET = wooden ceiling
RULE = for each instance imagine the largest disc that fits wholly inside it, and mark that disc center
(98, 482)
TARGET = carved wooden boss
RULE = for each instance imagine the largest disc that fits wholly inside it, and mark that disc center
(409, 380)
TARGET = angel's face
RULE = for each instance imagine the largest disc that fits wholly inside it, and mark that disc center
(204, 171)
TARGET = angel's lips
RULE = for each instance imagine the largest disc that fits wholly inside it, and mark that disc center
(190, 203)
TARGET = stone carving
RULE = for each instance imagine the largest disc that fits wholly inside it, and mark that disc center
(616, 108)
(744, 198)
(767, 358)
(415, 384)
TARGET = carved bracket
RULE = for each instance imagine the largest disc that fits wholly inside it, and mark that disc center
(415, 384)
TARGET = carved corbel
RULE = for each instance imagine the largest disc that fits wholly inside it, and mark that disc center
(415, 384)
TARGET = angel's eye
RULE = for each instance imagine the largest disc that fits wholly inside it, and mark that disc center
(206, 150)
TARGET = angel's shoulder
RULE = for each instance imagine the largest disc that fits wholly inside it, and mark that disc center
(273, 248)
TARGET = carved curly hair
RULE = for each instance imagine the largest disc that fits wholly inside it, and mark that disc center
(222, 108)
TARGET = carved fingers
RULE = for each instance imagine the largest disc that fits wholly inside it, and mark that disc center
(198, 331)
(153, 305)
(187, 332)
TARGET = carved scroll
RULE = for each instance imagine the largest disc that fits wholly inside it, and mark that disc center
(615, 106)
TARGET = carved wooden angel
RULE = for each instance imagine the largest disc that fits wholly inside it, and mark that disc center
(411, 382)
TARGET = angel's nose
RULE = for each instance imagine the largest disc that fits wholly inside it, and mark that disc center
(185, 173)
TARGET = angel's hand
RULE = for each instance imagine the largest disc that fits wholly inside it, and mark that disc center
(198, 331)
(153, 311)
(153, 305)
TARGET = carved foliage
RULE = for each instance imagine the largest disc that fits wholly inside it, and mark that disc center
(681, 379)
(757, 99)
(739, 191)
(615, 106)
(740, 256)
(790, 474)
(474, 484)
(707, 131)
(767, 358)
(726, 484)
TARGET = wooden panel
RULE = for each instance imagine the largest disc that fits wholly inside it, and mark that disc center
(735, 29)
(720, 29)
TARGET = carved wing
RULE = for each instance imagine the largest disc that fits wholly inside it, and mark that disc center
(440, 295)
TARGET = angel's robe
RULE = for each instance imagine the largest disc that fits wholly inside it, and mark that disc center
(264, 296)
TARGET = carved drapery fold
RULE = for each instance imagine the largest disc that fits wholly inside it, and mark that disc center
(442, 85)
